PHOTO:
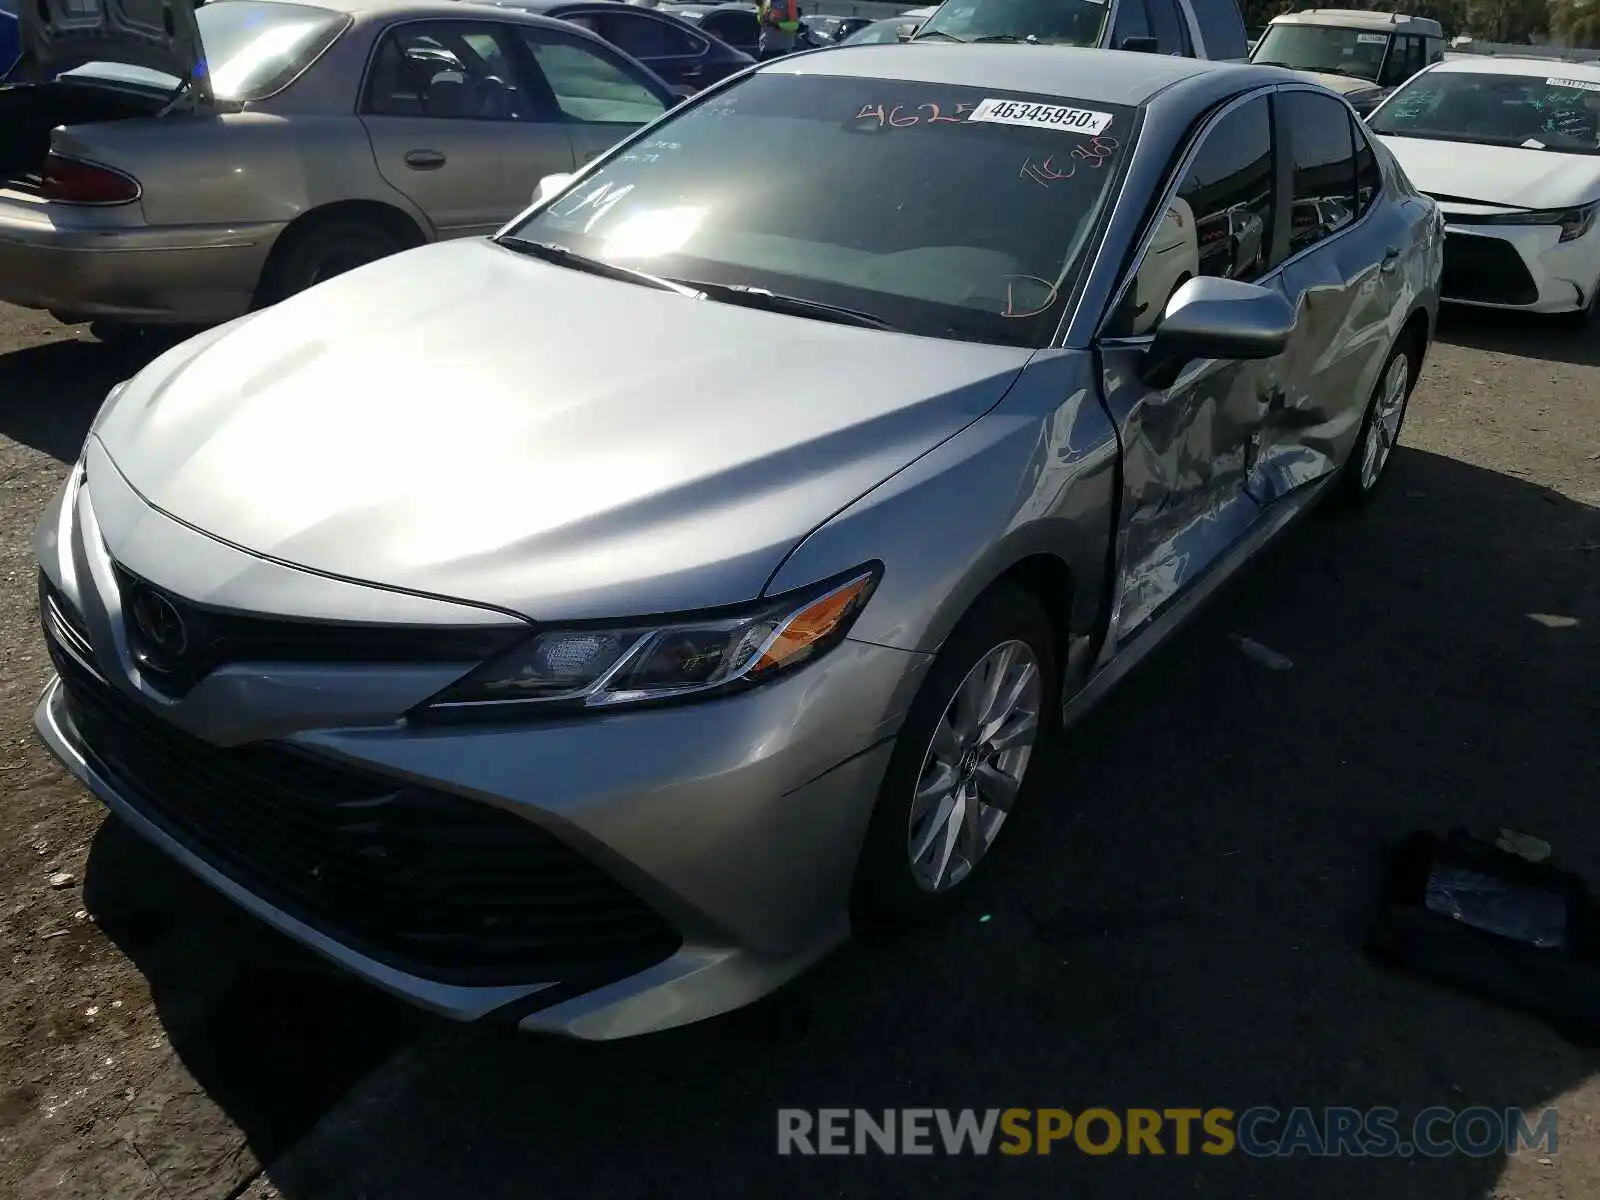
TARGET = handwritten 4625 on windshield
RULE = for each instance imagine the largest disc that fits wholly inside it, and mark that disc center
(903, 116)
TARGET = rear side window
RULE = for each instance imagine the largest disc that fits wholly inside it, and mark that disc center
(1132, 22)
(1316, 129)
(646, 37)
(735, 28)
(1221, 28)
(1406, 58)
(1369, 176)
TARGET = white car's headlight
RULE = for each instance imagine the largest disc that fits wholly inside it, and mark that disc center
(1574, 222)
(594, 666)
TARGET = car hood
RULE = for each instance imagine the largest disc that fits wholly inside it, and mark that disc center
(467, 422)
(1507, 176)
(62, 35)
(1345, 85)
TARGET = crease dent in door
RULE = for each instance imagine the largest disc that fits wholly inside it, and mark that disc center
(1185, 453)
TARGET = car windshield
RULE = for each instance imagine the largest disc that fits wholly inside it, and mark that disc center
(1530, 111)
(253, 47)
(938, 210)
(1334, 49)
(1059, 22)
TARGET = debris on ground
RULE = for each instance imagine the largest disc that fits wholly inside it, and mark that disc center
(1524, 845)
(63, 879)
(1264, 655)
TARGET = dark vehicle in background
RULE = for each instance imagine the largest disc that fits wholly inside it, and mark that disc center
(1190, 28)
(829, 30)
(687, 58)
(10, 39)
(890, 29)
(739, 26)
(1362, 55)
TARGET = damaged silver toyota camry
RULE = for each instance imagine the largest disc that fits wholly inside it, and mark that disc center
(591, 625)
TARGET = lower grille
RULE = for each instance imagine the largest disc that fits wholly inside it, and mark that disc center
(430, 883)
(1486, 269)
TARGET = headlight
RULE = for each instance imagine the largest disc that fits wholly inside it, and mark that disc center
(1574, 222)
(593, 666)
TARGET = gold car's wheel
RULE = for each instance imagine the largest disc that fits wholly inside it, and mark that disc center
(322, 251)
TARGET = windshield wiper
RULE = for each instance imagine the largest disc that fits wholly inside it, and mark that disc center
(1001, 37)
(937, 33)
(561, 256)
(796, 306)
(1268, 62)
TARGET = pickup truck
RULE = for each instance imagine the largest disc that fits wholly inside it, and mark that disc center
(1192, 28)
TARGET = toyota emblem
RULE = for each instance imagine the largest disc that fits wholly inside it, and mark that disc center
(160, 622)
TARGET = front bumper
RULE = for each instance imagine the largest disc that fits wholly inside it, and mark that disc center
(733, 825)
(80, 263)
(1519, 267)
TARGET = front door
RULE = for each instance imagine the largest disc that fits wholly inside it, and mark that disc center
(1188, 447)
(600, 96)
(457, 127)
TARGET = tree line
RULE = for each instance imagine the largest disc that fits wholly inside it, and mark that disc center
(1571, 22)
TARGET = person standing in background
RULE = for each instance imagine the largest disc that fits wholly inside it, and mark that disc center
(780, 22)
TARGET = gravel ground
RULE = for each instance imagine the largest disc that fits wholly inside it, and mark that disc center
(1179, 928)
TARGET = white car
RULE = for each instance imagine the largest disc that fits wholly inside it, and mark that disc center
(1510, 149)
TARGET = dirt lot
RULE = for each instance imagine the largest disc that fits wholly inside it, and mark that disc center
(1178, 929)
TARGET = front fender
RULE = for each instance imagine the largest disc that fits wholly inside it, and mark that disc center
(1035, 476)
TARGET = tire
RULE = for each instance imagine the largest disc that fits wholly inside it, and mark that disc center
(1358, 482)
(888, 889)
(322, 251)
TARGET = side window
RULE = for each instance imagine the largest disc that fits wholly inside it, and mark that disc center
(1220, 221)
(1168, 27)
(1317, 133)
(1435, 50)
(1132, 22)
(735, 28)
(1369, 176)
(1405, 60)
(450, 70)
(1221, 28)
(647, 37)
(590, 85)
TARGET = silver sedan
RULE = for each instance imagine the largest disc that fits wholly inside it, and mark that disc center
(143, 186)
(596, 623)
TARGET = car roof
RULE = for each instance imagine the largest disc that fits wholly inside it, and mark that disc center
(1357, 18)
(369, 9)
(1110, 76)
(1477, 64)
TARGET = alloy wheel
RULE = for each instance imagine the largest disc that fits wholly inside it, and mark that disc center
(974, 766)
(1384, 428)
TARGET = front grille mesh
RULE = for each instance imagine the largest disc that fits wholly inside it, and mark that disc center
(432, 883)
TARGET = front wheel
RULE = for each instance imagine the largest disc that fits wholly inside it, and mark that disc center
(1380, 431)
(964, 761)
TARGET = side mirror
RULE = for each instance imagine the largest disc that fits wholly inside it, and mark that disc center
(1210, 317)
(1140, 45)
(549, 186)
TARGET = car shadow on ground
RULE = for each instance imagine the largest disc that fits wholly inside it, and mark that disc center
(50, 393)
(1177, 926)
(1521, 334)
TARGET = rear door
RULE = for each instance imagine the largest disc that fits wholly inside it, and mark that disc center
(600, 95)
(459, 125)
(1342, 280)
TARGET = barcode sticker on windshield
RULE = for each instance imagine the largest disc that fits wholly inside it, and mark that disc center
(1372, 39)
(1041, 116)
(1581, 84)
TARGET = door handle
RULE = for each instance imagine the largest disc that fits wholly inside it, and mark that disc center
(1391, 260)
(424, 160)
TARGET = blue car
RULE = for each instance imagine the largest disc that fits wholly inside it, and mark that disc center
(686, 58)
(10, 40)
